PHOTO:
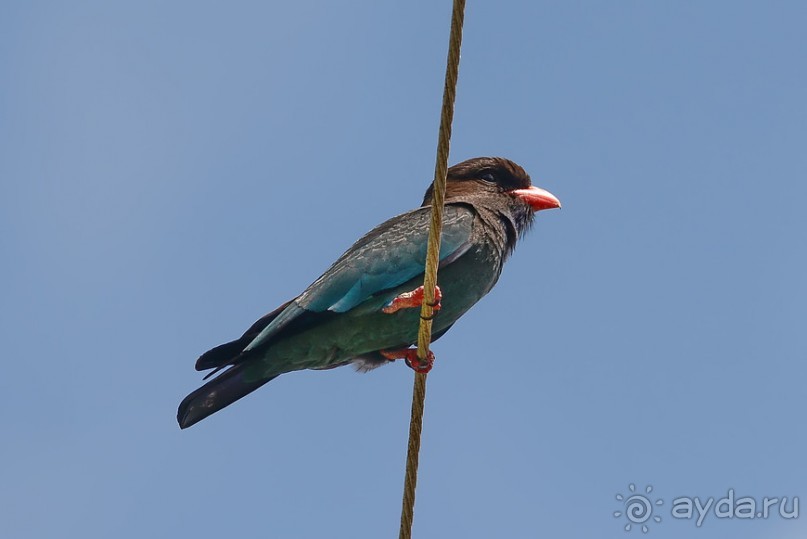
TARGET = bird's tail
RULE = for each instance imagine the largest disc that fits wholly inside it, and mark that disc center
(230, 385)
(219, 392)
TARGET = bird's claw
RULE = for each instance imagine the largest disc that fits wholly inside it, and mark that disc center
(413, 299)
(410, 356)
(417, 366)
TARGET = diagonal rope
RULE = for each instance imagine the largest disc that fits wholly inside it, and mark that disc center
(432, 261)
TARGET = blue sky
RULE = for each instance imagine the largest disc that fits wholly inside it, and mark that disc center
(170, 172)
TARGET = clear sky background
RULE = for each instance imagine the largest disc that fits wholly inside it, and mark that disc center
(171, 171)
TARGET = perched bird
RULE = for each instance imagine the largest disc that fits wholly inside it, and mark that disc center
(362, 310)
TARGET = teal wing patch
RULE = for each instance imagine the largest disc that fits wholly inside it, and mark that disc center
(386, 257)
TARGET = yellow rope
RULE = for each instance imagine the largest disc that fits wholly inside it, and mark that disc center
(432, 261)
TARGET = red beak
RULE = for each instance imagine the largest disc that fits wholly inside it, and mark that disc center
(537, 198)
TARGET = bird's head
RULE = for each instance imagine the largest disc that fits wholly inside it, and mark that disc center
(500, 186)
(483, 176)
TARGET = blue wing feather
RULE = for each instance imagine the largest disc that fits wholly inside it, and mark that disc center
(386, 257)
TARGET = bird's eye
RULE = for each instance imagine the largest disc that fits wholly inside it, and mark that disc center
(488, 177)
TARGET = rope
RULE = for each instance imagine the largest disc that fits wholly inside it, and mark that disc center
(432, 261)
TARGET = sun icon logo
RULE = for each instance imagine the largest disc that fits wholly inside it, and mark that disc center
(638, 508)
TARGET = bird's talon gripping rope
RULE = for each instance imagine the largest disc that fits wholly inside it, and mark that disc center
(410, 357)
(419, 367)
(413, 299)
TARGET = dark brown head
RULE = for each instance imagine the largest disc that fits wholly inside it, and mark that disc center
(494, 175)
(497, 186)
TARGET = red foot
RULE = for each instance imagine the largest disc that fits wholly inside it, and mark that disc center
(410, 355)
(412, 299)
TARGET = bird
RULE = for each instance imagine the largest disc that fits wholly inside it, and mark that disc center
(363, 309)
